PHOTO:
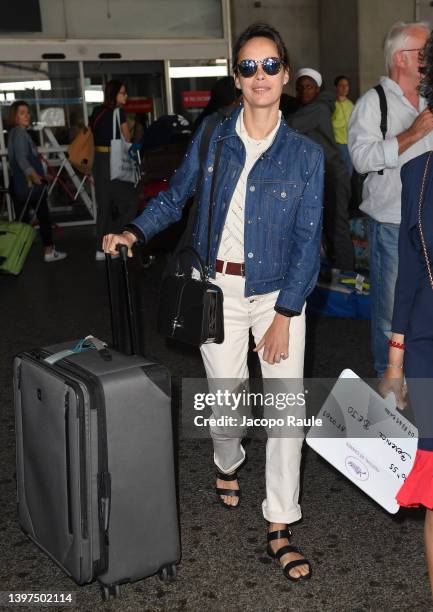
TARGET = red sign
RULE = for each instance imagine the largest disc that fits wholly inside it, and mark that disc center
(195, 99)
(138, 105)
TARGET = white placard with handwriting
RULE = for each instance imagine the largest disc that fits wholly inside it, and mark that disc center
(366, 438)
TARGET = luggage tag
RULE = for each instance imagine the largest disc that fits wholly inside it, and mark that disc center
(87, 343)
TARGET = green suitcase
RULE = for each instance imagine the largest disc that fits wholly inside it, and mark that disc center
(15, 241)
(16, 238)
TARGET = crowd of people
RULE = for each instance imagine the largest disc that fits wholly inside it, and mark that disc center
(291, 161)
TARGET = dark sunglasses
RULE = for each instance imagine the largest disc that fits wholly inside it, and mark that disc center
(248, 67)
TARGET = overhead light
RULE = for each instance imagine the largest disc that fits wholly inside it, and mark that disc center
(7, 97)
(22, 85)
(94, 95)
(186, 72)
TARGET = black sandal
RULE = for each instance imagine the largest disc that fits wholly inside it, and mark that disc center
(228, 492)
(286, 533)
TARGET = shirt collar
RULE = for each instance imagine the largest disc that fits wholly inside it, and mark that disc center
(243, 134)
(227, 132)
(392, 85)
(395, 87)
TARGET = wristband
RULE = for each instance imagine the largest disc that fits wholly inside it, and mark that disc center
(394, 365)
(397, 345)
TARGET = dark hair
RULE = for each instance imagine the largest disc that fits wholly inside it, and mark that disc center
(112, 88)
(426, 69)
(260, 30)
(340, 78)
(288, 105)
(13, 111)
(223, 94)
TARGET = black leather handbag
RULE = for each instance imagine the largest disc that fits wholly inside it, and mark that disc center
(191, 310)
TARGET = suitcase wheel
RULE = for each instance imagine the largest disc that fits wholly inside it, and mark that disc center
(168, 573)
(111, 591)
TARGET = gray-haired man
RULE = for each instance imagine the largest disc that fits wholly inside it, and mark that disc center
(408, 134)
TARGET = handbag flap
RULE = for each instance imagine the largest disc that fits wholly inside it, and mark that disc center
(189, 309)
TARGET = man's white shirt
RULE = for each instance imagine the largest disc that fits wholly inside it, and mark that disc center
(381, 196)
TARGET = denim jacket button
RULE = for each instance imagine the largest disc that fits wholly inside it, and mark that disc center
(210, 169)
(252, 188)
(283, 194)
(250, 255)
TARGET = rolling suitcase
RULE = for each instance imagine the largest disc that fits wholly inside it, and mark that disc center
(16, 238)
(95, 469)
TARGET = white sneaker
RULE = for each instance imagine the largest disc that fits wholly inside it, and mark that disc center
(54, 256)
(100, 256)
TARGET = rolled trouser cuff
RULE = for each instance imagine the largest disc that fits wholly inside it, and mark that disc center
(229, 454)
(281, 517)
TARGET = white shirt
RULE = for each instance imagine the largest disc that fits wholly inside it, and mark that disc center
(232, 240)
(381, 194)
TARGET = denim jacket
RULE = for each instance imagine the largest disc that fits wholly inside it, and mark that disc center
(283, 209)
(23, 159)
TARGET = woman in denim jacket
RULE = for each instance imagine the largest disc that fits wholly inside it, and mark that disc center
(264, 254)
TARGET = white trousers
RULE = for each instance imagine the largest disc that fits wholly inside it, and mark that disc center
(229, 361)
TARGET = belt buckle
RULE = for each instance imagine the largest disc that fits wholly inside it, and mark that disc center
(223, 271)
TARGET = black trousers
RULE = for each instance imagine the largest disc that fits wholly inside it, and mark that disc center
(43, 214)
(116, 201)
(336, 226)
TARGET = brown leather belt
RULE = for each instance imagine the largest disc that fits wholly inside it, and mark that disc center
(238, 269)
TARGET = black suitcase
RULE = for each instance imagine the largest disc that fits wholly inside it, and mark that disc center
(95, 467)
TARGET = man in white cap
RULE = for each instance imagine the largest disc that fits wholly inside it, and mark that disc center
(313, 118)
(308, 89)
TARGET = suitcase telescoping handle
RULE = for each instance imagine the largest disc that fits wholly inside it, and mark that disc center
(123, 253)
(29, 197)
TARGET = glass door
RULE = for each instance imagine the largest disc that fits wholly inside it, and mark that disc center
(54, 95)
(191, 83)
(144, 83)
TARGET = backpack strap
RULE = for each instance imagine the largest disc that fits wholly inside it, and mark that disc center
(383, 112)
(214, 119)
(186, 238)
(212, 203)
